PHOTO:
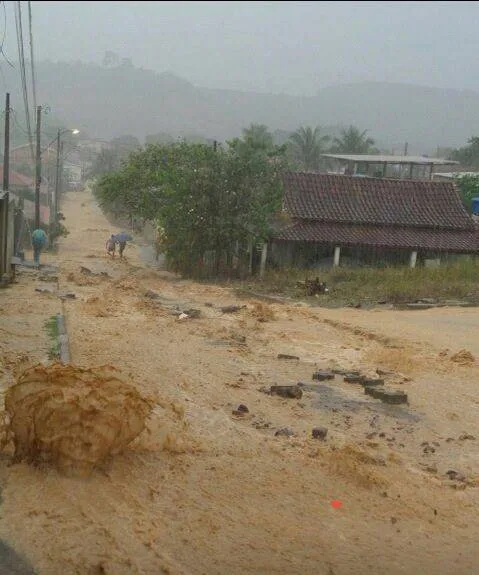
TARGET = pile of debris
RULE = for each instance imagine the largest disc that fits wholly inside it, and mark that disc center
(313, 287)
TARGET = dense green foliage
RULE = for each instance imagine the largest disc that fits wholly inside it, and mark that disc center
(468, 156)
(211, 204)
(468, 188)
(353, 141)
(308, 145)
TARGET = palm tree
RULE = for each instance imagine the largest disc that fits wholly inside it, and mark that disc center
(258, 136)
(309, 145)
(352, 141)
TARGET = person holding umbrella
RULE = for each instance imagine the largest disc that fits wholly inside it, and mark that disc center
(39, 242)
(121, 240)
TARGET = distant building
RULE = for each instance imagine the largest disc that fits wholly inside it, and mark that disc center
(73, 173)
(387, 166)
(451, 176)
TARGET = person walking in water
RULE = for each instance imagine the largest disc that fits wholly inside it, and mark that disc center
(39, 242)
(111, 246)
(121, 247)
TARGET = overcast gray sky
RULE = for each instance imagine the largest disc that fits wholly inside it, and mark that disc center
(291, 47)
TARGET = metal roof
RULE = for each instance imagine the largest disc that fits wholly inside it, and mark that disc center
(452, 175)
(383, 159)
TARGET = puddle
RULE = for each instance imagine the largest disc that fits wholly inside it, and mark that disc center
(11, 563)
(333, 398)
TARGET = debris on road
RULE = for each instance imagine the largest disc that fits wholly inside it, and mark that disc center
(463, 357)
(319, 433)
(284, 432)
(88, 272)
(241, 410)
(455, 475)
(391, 396)
(323, 375)
(465, 436)
(290, 391)
(73, 418)
(232, 308)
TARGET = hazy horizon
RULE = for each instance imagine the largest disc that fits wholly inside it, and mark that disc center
(273, 47)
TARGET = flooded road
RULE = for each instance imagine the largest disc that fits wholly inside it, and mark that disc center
(209, 489)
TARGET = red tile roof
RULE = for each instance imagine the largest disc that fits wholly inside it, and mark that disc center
(16, 179)
(382, 236)
(349, 199)
(347, 210)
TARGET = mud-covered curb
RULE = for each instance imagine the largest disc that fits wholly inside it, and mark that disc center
(63, 340)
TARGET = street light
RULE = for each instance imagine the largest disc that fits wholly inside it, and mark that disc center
(57, 176)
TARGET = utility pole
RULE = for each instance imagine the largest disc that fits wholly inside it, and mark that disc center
(4, 265)
(6, 149)
(38, 171)
(57, 181)
(405, 148)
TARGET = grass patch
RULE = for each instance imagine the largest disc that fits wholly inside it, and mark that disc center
(458, 280)
(51, 327)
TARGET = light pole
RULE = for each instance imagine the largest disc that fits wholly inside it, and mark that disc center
(57, 176)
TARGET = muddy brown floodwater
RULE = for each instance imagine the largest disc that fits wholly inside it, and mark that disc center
(203, 490)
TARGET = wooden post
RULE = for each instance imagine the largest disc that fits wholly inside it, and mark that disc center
(250, 250)
(264, 253)
(337, 253)
(413, 260)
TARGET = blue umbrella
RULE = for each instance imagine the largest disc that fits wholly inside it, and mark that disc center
(123, 237)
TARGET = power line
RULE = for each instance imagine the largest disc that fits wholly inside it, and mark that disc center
(4, 36)
(2, 44)
(21, 55)
(17, 123)
(34, 89)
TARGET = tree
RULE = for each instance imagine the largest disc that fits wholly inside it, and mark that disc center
(468, 186)
(210, 204)
(110, 59)
(127, 142)
(352, 141)
(258, 136)
(308, 146)
(107, 161)
(127, 63)
(468, 156)
(110, 159)
(159, 138)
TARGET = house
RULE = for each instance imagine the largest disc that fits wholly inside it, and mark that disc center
(72, 172)
(19, 182)
(21, 158)
(369, 220)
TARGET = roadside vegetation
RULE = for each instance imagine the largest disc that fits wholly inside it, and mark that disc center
(212, 204)
(458, 280)
(51, 327)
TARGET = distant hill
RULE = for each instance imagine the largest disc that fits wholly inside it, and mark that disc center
(107, 102)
